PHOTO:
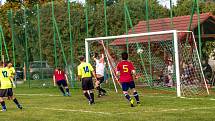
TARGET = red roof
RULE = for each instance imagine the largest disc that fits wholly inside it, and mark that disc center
(180, 23)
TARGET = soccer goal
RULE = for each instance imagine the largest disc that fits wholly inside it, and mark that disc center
(167, 59)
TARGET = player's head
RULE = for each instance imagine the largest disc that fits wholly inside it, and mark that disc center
(124, 56)
(59, 68)
(96, 55)
(82, 58)
(9, 64)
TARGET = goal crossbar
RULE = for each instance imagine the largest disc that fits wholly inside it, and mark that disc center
(134, 35)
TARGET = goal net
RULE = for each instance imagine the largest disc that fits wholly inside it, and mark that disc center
(164, 59)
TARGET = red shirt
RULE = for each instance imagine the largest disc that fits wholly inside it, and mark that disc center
(59, 75)
(125, 68)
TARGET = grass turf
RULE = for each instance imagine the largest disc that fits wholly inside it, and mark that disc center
(46, 104)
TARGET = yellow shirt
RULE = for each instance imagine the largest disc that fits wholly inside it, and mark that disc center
(12, 71)
(5, 82)
(85, 69)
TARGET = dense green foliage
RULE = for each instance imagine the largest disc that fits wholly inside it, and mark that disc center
(96, 23)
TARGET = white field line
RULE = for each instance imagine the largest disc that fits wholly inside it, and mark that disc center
(115, 113)
(51, 95)
(71, 110)
(169, 110)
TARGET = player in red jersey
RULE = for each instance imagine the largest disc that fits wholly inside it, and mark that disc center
(126, 71)
(60, 78)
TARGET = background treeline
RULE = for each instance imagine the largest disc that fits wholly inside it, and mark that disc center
(96, 23)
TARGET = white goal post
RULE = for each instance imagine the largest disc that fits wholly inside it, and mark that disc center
(176, 52)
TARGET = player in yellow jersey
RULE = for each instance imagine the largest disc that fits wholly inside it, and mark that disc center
(12, 72)
(85, 71)
(6, 87)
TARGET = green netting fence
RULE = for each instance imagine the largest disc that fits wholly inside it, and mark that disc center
(39, 38)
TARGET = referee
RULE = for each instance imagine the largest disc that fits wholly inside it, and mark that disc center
(85, 72)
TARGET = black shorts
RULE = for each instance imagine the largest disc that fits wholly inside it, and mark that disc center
(127, 85)
(62, 82)
(87, 83)
(6, 92)
(101, 79)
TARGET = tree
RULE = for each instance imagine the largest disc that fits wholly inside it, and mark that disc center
(184, 7)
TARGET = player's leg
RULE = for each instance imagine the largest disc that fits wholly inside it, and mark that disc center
(65, 85)
(59, 83)
(125, 87)
(97, 84)
(91, 96)
(3, 94)
(85, 89)
(12, 97)
(136, 96)
(101, 80)
(91, 87)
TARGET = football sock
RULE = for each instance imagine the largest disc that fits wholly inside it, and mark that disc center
(61, 89)
(92, 96)
(3, 105)
(127, 97)
(102, 90)
(16, 102)
(87, 95)
(136, 96)
(67, 90)
(99, 90)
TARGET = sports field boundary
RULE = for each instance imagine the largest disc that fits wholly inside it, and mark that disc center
(115, 113)
(189, 98)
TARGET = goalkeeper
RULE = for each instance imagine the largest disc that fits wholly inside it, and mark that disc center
(99, 73)
(126, 71)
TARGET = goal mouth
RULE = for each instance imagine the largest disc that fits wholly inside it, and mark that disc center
(162, 59)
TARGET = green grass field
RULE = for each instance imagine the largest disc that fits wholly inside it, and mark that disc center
(46, 104)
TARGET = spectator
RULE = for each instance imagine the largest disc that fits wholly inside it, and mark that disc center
(207, 70)
(170, 72)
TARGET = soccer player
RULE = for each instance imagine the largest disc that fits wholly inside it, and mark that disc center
(12, 72)
(61, 79)
(6, 87)
(126, 71)
(85, 71)
(100, 73)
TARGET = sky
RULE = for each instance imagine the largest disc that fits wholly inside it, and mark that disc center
(163, 2)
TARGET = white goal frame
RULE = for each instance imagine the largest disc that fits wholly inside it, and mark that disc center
(176, 52)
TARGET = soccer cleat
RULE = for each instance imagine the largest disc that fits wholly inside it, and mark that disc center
(3, 110)
(20, 107)
(132, 102)
(99, 95)
(138, 104)
(90, 102)
(64, 94)
(68, 94)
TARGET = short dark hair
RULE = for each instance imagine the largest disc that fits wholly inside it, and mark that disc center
(8, 62)
(96, 55)
(81, 58)
(124, 56)
(59, 67)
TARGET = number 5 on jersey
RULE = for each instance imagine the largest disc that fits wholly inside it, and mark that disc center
(125, 68)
